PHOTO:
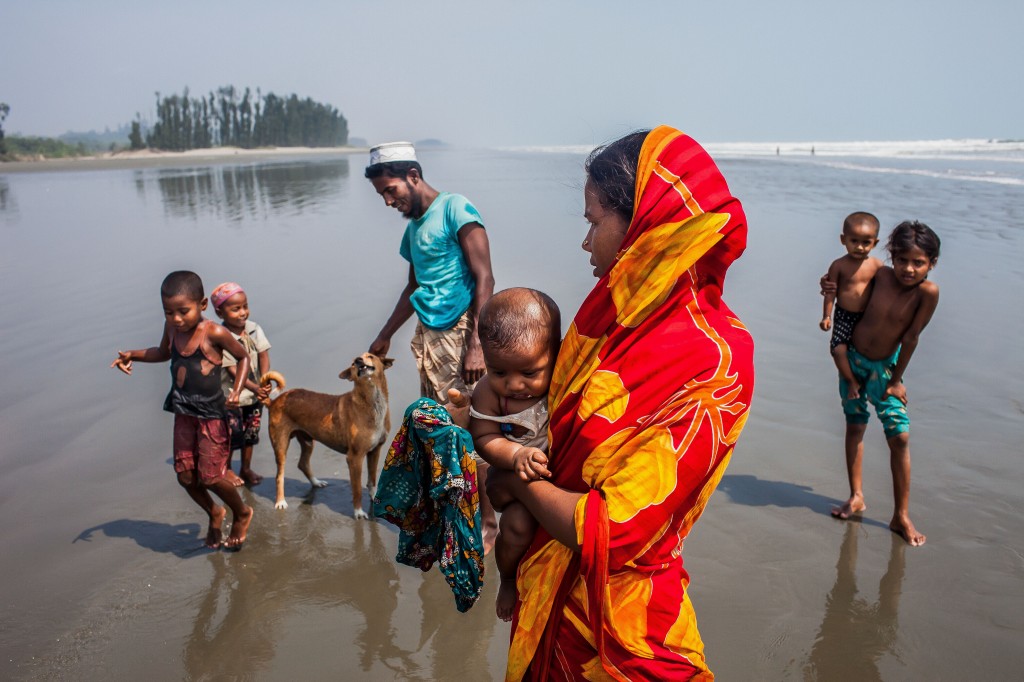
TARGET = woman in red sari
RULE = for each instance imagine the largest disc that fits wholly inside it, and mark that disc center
(650, 392)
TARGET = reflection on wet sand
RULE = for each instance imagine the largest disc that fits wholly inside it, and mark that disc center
(253, 601)
(6, 199)
(458, 642)
(241, 192)
(855, 634)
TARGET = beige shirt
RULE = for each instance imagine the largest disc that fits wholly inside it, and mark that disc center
(534, 419)
(255, 342)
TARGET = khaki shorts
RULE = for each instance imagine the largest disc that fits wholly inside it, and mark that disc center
(440, 355)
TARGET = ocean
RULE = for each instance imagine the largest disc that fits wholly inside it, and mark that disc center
(104, 572)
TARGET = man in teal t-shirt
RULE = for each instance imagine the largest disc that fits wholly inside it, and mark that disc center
(450, 275)
(450, 279)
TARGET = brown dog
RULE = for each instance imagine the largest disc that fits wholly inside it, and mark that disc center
(355, 424)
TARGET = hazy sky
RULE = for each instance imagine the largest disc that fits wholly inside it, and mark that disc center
(474, 72)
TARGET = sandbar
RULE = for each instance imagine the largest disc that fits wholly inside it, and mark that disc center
(147, 158)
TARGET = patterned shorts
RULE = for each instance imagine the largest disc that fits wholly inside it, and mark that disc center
(201, 445)
(244, 424)
(843, 322)
(874, 376)
(440, 354)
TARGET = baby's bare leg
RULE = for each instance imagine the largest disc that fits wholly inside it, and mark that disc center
(899, 461)
(843, 365)
(854, 444)
(515, 533)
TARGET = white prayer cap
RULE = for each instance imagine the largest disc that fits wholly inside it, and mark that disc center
(392, 151)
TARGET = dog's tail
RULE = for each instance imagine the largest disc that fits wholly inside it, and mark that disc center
(272, 377)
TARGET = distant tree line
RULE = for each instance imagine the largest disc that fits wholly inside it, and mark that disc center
(14, 147)
(229, 118)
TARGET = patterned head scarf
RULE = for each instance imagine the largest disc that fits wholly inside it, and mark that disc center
(223, 292)
(649, 394)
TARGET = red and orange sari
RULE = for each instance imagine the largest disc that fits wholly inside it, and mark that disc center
(650, 392)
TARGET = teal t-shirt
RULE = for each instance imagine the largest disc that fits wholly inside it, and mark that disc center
(431, 244)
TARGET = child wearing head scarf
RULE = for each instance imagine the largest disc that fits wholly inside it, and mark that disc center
(232, 307)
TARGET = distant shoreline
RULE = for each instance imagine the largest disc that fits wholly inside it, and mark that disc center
(161, 159)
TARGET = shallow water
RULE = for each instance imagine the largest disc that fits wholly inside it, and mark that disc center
(105, 574)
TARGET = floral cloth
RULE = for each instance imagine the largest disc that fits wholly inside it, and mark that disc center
(428, 488)
(649, 394)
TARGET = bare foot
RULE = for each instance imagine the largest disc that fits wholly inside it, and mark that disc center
(239, 528)
(905, 529)
(854, 505)
(853, 391)
(232, 478)
(214, 534)
(251, 477)
(506, 601)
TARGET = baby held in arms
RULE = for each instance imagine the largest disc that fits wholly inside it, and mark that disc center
(520, 332)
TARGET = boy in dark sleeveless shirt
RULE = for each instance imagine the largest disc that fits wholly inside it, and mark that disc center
(201, 440)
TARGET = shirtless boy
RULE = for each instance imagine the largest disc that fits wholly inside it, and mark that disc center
(852, 275)
(901, 305)
(201, 442)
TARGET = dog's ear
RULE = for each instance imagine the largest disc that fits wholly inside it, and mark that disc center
(348, 373)
(387, 362)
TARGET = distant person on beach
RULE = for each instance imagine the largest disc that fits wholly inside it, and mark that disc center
(901, 304)
(851, 275)
(648, 396)
(195, 347)
(520, 330)
(449, 281)
(231, 304)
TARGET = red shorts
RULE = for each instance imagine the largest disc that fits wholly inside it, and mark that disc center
(201, 445)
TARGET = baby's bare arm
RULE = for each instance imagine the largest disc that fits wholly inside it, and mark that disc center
(530, 463)
(496, 450)
(829, 289)
(488, 439)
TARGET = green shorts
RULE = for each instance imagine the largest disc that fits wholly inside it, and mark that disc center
(874, 376)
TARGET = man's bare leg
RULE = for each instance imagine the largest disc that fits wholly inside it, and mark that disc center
(490, 522)
(854, 445)
(899, 461)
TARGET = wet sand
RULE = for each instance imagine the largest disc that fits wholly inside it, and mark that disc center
(105, 573)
